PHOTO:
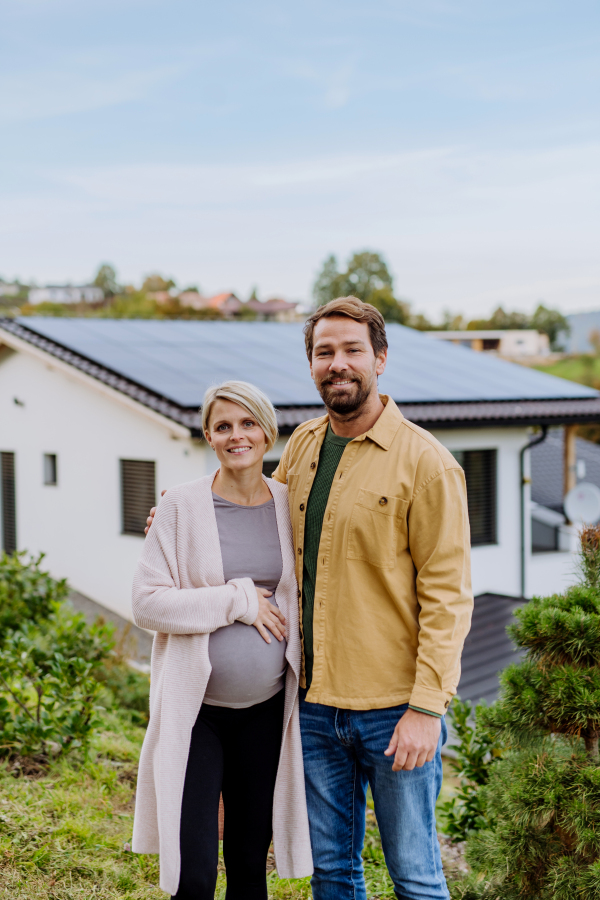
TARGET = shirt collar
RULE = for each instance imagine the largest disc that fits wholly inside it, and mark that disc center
(383, 431)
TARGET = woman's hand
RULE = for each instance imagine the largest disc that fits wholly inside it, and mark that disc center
(269, 616)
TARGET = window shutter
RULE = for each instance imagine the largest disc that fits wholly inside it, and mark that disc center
(480, 474)
(138, 494)
(9, 506)
(269, 466)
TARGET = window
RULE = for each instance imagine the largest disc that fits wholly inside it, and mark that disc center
(269, 466)
(480, 474)
(9, 509)
(50, 469)
(138, 494)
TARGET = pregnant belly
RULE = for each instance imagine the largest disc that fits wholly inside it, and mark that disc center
(245, 669)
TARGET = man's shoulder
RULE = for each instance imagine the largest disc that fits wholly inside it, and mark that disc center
(426, 448)
(305, 430)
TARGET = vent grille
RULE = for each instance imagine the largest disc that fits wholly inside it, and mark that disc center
(9, 505)
(138, 494)
(480, 474)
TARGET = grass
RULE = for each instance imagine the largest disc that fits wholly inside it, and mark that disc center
(64, 832)
(584, 369)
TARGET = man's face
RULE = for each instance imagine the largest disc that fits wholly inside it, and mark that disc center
(344, 366)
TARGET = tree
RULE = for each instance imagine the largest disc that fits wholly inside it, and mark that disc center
(325, 286)
(542, 801)
(106, 279)
(501, 320)
(547, 321)
(366, 277)
(552, 323)
(155, 283)
(391, 309)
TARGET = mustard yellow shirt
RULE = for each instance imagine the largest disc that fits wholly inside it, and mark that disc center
(393, 597)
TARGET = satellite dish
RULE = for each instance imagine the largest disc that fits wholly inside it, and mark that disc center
(582, 504)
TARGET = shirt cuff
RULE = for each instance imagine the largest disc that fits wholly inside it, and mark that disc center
(426, 711)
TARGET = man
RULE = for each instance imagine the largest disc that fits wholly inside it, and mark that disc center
(381, 533)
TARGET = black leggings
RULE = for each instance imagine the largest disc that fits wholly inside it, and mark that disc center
(235, 751)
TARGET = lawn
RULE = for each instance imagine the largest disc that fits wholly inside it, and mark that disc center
(584, 369)
(64, 832)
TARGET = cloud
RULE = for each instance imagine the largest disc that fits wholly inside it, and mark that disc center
(462, 228)
(43, 94)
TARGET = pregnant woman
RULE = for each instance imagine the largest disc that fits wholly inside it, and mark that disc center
(216, 583)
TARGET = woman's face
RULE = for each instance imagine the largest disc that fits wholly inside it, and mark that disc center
(235, 435)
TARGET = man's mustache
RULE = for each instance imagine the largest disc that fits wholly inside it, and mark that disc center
(335, 377)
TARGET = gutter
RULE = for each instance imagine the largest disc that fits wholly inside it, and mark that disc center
(533, 443)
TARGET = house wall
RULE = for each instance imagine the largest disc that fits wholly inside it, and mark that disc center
(496, 568)
(78, 522)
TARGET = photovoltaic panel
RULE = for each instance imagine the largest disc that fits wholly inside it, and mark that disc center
(180, 359)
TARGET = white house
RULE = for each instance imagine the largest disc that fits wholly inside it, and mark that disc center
(513, 343)
(83, 293)
(96, 416)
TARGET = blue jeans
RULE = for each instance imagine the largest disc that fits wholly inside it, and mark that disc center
(343, 753)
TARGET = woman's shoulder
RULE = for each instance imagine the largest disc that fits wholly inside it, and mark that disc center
(276, 487)
(189, 493)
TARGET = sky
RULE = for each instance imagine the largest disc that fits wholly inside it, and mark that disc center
(234, 144)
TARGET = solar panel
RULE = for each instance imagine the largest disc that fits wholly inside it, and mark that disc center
(180, 359)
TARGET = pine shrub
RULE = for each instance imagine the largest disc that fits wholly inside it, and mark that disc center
(542, 801)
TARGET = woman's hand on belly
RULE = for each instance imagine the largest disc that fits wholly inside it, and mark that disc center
(269, 617)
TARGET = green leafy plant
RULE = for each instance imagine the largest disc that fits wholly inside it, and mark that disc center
(27, 593)
(48, 692)
(476, 752)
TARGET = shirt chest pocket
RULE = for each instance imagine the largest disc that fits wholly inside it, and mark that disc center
(375, 526)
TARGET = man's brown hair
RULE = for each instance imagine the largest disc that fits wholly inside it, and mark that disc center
(354, 309)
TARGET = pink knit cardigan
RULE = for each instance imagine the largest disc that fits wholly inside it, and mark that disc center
(179, 591)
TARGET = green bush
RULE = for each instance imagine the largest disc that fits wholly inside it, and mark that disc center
(129, 689)
(542, 801)
(55, 670)
(26, 592)
(476, 752)
(48, 692)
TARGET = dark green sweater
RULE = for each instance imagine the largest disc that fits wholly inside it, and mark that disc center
(329, 458)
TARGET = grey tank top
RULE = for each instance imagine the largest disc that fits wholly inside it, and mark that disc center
(245, 669)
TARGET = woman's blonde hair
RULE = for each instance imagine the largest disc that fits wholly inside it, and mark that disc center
(249, 397)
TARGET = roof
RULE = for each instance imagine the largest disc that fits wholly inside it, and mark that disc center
(488, 649)
(169, 364)
(547, 468)
(490, 333)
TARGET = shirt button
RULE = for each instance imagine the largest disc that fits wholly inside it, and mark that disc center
(299, 551)
(313, 465)
(383, 501)
(299, 593)
(302, 507)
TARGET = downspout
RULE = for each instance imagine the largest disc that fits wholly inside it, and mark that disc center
(537, 440)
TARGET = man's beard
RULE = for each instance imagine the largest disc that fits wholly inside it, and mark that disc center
(344, 402)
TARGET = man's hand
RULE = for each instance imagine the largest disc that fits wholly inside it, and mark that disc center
(269, 616)
(150, 518)
(414, 740)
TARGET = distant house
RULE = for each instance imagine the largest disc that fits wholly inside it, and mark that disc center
(9, 289)
(84, 293)
(513, 343)
(274, 310)
(227, 304)
(584, 333)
